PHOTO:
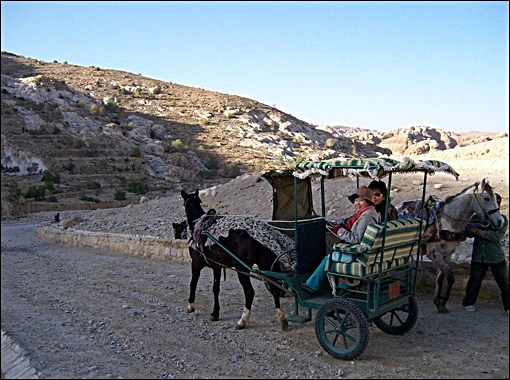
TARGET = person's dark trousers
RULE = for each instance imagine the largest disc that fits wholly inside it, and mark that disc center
(478, 270)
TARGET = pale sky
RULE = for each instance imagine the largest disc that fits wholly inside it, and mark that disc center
(375, 65)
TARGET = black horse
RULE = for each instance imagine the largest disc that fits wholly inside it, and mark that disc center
(247, 249)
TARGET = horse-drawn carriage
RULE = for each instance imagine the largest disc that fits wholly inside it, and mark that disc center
(369, 283)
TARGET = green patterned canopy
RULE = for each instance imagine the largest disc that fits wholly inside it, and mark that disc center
(374, 168)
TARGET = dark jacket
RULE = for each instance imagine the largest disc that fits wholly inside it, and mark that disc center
(487, 248)
(392, 211)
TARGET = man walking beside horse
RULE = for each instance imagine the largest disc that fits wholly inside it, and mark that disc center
(487, 253)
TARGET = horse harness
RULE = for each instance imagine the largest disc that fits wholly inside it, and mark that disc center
(210, 262)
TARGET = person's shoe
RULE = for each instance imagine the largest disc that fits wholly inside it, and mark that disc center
(470, 308)
(307, 288)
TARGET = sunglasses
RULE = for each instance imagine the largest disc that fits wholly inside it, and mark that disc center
(377, 194)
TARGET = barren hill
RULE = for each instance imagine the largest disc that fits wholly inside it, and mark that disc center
(100, 133)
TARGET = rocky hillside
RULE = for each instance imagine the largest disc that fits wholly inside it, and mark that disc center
(417, 140)
(99, 134)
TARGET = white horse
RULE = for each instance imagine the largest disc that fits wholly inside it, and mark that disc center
(451, 221)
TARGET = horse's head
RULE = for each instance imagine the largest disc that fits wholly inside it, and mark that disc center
(192, 207)
(488, 207)
(180, 229)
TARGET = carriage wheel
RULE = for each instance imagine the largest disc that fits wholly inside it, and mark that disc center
(399, 321)
(341, 328)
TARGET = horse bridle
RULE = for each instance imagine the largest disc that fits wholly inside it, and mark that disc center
(481, 204)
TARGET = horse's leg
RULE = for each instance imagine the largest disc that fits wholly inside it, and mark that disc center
(438, 297)
(197, 264)
(249, 295)
(450, 279)
(444, 270)
(215, 315)
(280, 316)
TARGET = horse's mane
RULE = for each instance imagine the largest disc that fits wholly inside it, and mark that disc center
(451, 197)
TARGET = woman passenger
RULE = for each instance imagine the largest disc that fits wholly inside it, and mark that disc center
(352, 232)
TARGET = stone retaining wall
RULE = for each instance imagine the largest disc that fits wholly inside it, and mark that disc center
(175, 249)
(146, 246)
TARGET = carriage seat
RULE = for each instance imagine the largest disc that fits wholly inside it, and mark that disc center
(360, 260)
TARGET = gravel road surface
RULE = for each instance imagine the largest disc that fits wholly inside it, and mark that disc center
(81, 313)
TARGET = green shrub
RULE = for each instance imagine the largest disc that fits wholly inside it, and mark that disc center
(298, 139)
(36, 192)
(94, 109)
(119, 195)
(138, 187)
(330, 143)
(136, 152)
(69, 166)
(231, 170)
(50, 177)
(93, 185)
(301, 158)
(112, 106)
(178, 144)
(127, 126)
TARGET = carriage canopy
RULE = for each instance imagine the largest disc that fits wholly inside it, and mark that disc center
(282, 181)
(374, 168)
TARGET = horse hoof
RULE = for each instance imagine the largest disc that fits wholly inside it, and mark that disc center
(213, 318)
(285, 325)
(191, 310)
(441, 309)
(239, 327)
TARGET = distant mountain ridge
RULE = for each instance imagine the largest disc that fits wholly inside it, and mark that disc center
(101, 131)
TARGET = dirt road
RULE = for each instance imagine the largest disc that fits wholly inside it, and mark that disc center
(81, 313)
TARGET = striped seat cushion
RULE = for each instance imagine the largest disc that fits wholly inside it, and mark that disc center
(357, 268)
(400, 245)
